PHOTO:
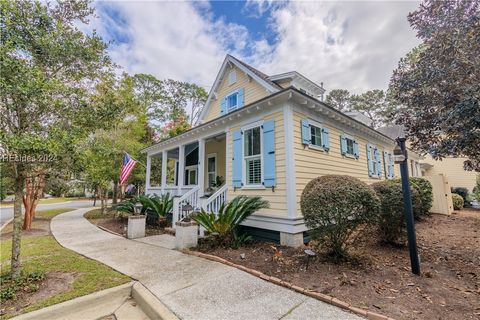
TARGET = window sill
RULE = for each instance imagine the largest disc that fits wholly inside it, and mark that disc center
(254, 187)
(351, 156)
(315, 147)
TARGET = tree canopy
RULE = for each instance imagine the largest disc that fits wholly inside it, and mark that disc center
(438, 83)
(375, 104)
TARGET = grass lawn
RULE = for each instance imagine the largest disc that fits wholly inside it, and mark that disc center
(43, 201)
(43, 253)
(41, 223)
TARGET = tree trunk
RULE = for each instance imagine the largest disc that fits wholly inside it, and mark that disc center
(34, 191)
(115, 192)
(103, 200)
(17, 222)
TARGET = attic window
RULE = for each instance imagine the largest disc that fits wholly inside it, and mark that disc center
(232, 77)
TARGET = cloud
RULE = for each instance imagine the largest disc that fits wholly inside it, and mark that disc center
(177, 40)
(352, 45)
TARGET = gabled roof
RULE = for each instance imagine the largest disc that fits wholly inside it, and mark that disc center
(255, 74)
(296, 76)
(259, 73)
(393, 131)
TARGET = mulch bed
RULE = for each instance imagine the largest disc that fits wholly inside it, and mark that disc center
(378, 277)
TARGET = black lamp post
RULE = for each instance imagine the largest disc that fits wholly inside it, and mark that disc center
(400, 157)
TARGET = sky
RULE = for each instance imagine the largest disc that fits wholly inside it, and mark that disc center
(350, 45)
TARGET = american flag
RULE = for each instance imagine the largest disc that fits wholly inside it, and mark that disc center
(127, 167)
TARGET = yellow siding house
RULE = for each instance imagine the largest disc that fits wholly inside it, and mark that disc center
(268, 136)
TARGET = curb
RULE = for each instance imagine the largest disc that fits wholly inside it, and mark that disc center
(6, 224)
(313, 294)
(92, 306)
(150, 304)
(103, 303)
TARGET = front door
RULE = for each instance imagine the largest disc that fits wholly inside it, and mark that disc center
(191, 175)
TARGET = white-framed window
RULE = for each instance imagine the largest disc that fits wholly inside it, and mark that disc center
(316, 135)
(232, 101)
(191, 175)
(232, 77)
(211, 169)
(252, 156)
(350, 146)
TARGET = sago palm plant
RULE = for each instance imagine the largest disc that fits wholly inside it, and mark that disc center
(160, 205)
(224, 224)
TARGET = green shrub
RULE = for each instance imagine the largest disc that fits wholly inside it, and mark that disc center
(334, 207)
(7, 293)
(159, 205)
(127, 206)
(224, 225)
(391, 218)
(155, 207)
(462, 192)
(56, 186)
(26, 282)
(419, 203)
(476, 189)
(457, 201)
(425, 193)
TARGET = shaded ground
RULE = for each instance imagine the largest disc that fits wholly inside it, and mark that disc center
(116, 223)
(67, 274)
(379, 279)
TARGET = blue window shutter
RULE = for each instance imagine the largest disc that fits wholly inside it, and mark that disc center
(356, 152)
(325, 140)
(392, 167)
(379, 162)
(305, 132)
(241, 98)
(386, 165)
(269, 153)
(223, 106)
(369, 160)
(237, 159)
(343, 144)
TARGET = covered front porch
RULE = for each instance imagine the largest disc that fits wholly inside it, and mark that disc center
(192, 171)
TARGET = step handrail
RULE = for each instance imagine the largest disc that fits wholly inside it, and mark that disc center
(191, 198)
(213, 203)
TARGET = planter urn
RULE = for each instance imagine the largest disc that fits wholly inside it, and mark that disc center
(186, 234)
(136, 226)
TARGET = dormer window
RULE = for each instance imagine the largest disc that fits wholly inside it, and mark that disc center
(232, 77)
(232, 101)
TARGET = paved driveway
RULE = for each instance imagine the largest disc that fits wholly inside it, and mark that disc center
(7, 213)
(192, 287)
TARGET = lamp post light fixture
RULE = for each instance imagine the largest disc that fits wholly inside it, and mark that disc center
(400, 156)
(137, 208)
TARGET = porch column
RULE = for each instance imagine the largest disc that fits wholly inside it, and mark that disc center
(201, 167)
(147, 175)
(181, 168)
(164, 170)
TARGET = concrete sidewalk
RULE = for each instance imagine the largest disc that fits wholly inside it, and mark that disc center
(192, 287)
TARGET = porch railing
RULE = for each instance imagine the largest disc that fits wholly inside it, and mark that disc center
(185, 204)
(214, 202)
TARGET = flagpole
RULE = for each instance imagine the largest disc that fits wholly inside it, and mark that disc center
(136, 160)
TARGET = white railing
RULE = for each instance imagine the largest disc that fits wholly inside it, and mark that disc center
(172, 190)
(215, 201)
(180, 209)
